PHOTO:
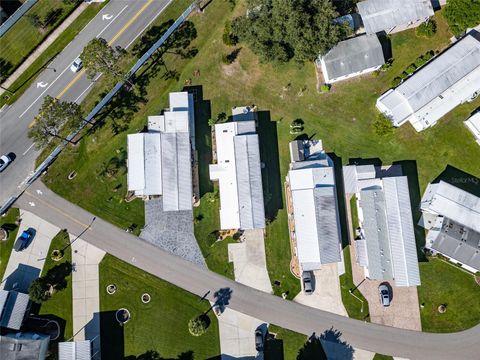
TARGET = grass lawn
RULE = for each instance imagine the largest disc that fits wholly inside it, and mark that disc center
(354, 212)
(352, 304)
(342, 118)
(60, 304)
(445, 283)
(28, 76)
(382, 357)
(160, 325)
(24, 37)
(8, 222)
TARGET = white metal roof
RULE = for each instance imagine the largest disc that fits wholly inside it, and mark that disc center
(14, 310)
(159, 162)
(454, 203)
(238, 172)
(74, 350)
(400, 231)
(315, 214)
(473, 124)
(383, 15)
(448, 80)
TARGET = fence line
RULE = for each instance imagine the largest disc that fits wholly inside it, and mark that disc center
(53, 155)
(16, 16)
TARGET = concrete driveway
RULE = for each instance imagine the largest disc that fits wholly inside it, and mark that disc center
(403, 312)
(25, 266)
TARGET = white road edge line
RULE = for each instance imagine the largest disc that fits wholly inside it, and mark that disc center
(26, 151)
(149, 23)
(110, 23)
(88, 87)
(53, 82)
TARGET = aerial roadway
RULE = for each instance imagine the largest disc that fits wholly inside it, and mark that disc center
(269, 308)
(120, 23)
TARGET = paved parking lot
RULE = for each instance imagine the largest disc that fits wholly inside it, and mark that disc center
(25, 266)
(403, 312)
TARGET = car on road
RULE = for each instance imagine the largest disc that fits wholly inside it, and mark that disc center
(384, 292)
(24, 240)
(259, 340)
(307, 283)
(76, 65)
(5, 160)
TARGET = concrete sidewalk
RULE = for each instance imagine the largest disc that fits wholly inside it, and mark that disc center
(86, 293)
(43, 46)
(25, 266)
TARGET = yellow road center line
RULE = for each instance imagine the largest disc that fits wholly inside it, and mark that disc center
(127, 25)
(117, 35)
(58, 210)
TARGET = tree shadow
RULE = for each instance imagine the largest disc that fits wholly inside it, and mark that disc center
(334, 347)
(409, 169)
(203, 138)
(460, 179)
(52, 17)
(115, 164)
(271, 178)
(341, 199)
(222, 298)
(56, 276)
(5, 68)
(312, 349)
(112, 336)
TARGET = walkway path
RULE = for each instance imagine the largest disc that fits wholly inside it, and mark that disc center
(43, 46)
(86, 294)
(25, 266)
(287, 314)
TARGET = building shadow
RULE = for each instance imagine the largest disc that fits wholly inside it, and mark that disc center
(203, 137)
(313, 349)
(155, 355)
(460, 179)
(333, 347)
(386, 45)
(21, 278)
(48, 324)
(271, 178)
(342, 201)
(112, 336)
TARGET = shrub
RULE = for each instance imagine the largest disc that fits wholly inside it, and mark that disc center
(225, 59)
(228, 37)
(383, 126)
(428, 55)
(420, 61)
(427, 29)
(39, 290)
(325, 88)
(199, 325)
(396, 81)
(410, 69)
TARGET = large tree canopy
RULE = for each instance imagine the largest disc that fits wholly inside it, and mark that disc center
(462, 14)
(99, 57)
(279, 30)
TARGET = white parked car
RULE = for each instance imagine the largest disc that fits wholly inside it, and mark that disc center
(5, 160)
(76, 65)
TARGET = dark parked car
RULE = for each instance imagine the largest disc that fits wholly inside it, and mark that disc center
(384, 293)
(24, 240)
(259, 340)
(307, 282)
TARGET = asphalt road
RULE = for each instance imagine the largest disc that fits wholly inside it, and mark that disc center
(373, 337)
(120, 22)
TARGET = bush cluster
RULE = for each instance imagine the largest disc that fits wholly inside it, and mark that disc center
(420, 61)
(427, 29)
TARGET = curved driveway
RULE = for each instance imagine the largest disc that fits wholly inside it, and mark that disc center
(373, 337)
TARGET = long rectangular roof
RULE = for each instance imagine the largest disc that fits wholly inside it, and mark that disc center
(454, 203)
(459, 243)
(383, 15)
(14, 310)
(238, 171)
(457, 69)
(315, 215)
(353, 55)
(74, 350)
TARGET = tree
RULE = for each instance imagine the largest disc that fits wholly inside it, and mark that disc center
(35, 20)
(427, 29)
(54, 115)
(278, 30)
(99, 57)
(382, 125)
(462, 14)
(199, 325)
(39, 290)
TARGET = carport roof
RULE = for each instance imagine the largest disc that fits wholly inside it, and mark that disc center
(14, 310)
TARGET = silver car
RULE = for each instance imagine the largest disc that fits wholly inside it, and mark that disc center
(307, 284)
(5, 160)
(76, 65)
(384, 292)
